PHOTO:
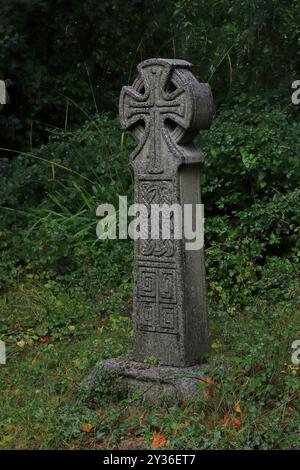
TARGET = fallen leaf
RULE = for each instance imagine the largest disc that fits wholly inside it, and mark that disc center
(87, 427)
(89, 442)
(180, 426)
(226, 421)
(45, 340)
(236, 423)
(159, 440)
(183, 402)
(209, 391)
(184, 424)
(207, 379)
(237, 407)
(21, 343)
(142, 417)
(11, 427)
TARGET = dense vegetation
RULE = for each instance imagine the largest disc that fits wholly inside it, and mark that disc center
(66, 297)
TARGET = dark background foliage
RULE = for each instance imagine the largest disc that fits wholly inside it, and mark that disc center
(65, 57)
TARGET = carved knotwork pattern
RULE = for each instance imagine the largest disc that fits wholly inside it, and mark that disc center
(157, 301)
(157, 192)
(157, 107)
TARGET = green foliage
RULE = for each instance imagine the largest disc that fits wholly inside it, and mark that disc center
(240, 45)
(249, 190)
(53, 337)
(252, 153)
(65, 72)
(72, 163)
(106, 386)
(51, 196)
(61, 74)
(66, 297)
(248, 398)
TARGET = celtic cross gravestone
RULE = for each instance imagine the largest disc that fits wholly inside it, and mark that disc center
(165, 108)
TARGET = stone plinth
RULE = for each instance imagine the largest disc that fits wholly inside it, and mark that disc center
(150, 383)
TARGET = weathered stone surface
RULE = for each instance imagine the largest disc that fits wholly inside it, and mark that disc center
(150, 383)
(165, 108)
(2, 92)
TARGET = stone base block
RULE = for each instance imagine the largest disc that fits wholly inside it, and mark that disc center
(147, 382)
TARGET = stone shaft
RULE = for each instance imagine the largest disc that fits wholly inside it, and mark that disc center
(165, 108)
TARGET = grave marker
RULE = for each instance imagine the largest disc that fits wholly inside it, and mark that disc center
(165, 108)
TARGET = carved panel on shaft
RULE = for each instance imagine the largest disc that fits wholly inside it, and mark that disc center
(157, 192)
(156, 299)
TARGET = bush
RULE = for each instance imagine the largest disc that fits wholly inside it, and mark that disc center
(249, 189)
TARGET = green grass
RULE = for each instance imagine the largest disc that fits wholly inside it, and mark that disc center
(54, 335)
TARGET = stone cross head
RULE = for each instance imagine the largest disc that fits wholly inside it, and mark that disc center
(166, 103)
